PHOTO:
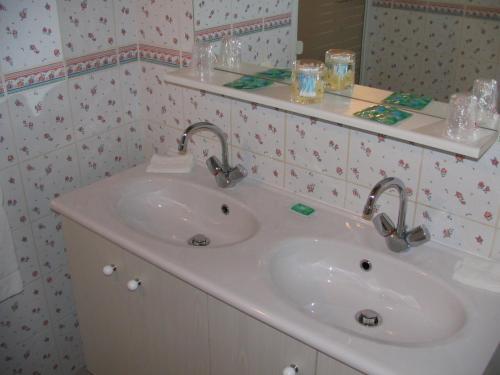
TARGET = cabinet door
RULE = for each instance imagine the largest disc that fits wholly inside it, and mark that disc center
(330, 366)
(100, 300)
(241, 345)
(169, 322)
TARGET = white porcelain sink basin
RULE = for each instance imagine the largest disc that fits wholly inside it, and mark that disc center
(175, 211)
(326, 280)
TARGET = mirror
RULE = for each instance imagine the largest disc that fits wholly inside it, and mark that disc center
(421, 47)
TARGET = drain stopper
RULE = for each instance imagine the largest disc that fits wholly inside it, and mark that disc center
(199, 240)
(368, 318)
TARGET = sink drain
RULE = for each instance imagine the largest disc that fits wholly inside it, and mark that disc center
(199, 240)
(368, 318)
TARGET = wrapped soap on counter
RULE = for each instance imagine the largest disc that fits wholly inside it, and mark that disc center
(308, 85)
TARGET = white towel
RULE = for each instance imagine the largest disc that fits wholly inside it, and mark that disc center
(479, 273)
(10, 277)
(171, 164)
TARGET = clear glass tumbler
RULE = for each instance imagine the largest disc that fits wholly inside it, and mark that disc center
(462, 117)
(230, 53)
(486, 92)
(204, 59)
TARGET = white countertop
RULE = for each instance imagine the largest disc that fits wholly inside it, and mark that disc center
(421, 129)
(239, 274)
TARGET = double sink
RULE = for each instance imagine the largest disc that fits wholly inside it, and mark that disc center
(327, 280)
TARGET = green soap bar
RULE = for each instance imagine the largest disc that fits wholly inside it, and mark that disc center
(302, 209)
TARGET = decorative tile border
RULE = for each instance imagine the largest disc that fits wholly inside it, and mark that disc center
(159, 55)
(415, 5)
(91, 63)
(186, 59)
(248, 27)
(484, 12)
(26, 79)
(446, 8)
(213, 34)
(2, 93)
(128, 54)
(275, 22)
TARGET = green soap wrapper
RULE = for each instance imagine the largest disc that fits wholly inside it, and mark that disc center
(249, 83)
(302, 209)
(383, 114)
(408, 100)
(276, 74)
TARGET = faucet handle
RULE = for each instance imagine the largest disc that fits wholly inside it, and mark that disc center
(384, 225)
(214, 165)
(418, 236)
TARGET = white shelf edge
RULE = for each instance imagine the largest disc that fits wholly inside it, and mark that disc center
(420, 129)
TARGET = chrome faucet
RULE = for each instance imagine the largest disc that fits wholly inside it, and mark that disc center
(398, 238)
(225, 175)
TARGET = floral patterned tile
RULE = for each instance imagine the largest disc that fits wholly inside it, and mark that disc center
(357, 195)
(374, 157)
(48, 176)
(13, 196)
(202, 106)
(23, 315)
(27, 257)
(59, 293)
(130, 88)
(480, 40)
(211, 13)
(244, 10)
(260, 168)
(135, 143)
(454, 231)
(162, 101)
(87, 26)
(159, 23)
(253, 50)
(48, 236)
(95, 102)
(29, 34)
(126, 15)
(68, 340)
(159, 139)
(38, 355)
(495, 253)
(186, 25)
(467, 70)
(41, 120)
(275, 7)
(460, 186)
(202, 148)
(258, 128)
(329, 190)
(317, 145)
(278, 43)
(102, 155)
(8, 154)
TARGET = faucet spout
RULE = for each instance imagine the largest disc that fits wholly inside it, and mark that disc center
(398, 238)
(225, 175)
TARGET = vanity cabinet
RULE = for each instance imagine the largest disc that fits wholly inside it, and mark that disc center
(162, 327)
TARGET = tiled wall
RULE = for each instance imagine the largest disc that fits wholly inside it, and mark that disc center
(82, 96)
(68, 113)
(431, 47)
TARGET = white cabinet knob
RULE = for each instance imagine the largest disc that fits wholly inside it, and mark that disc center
(133, 284)
(291, 370)
(108, 269)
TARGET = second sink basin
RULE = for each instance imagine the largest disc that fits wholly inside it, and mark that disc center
(365, 293)
(175, 211)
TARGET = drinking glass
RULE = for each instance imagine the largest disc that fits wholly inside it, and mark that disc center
(486, 92)
(230, 53)
(204, 59)
(462, 117)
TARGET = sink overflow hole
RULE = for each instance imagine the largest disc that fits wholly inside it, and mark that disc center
(225, 209)
(365, 265)
(368, 318)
